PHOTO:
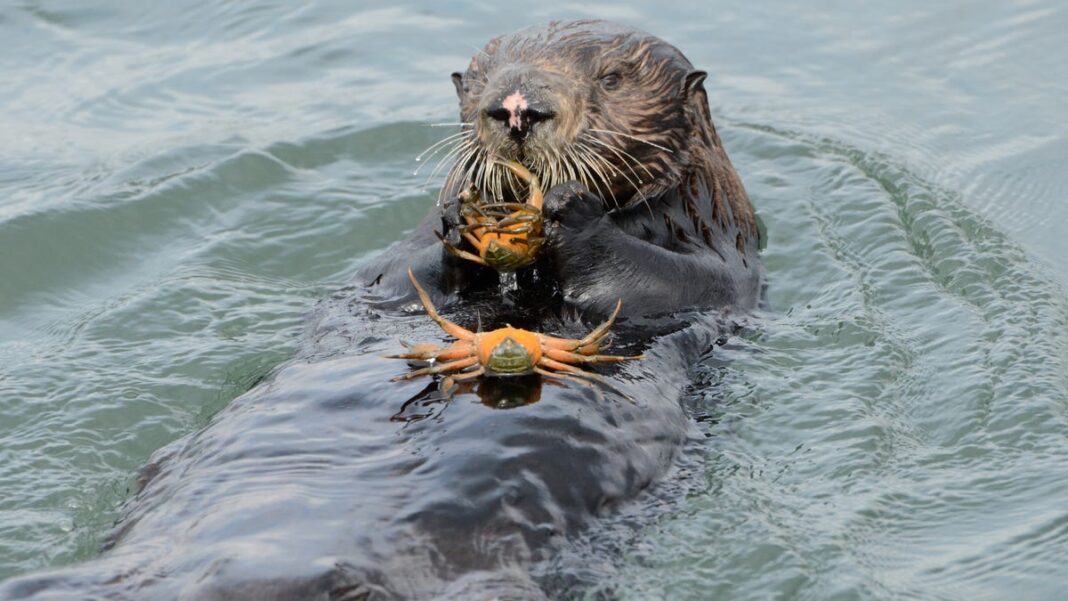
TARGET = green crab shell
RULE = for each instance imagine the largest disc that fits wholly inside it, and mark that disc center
(509, 358)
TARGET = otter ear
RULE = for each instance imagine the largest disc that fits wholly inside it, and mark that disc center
(693, 83)
(458, 81)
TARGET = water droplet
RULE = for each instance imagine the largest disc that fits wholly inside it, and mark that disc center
(508, 282)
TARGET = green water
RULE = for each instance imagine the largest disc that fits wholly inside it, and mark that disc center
(180, 182)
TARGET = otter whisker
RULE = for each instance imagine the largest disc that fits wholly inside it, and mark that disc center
(553, 172)
(494, 177)
(584, 168)
(465, 165)
(458, 168)
(605, 168)
(538, 167)
(626, 163)
(462, 155)
(637, 189)
(442, 142)
(566, 172)
(454, 124)
(463, 169)
(456, 173)
(595, 161)
(573, 157)
(612, 168)
(599, 178)
(479, 50)
(624, 156)
(542, 168)
(635, 138)
(574, 165)
(452, 141)
(567, 168)
(478, 176)
(508, 179)
(496, 181)
(459, 149)
(482, 176)
(478, 164)
(499, 180)
(458, 146)
(523, 190)
(453, 151)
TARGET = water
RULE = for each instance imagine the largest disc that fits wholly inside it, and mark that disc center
(182, 182)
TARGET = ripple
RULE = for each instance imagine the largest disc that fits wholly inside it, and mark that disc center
(170, 286)
(898, 429)
(181, 182)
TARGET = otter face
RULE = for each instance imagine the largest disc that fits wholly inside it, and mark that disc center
(585, 100)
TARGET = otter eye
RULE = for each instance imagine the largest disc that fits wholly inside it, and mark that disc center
(611, 81)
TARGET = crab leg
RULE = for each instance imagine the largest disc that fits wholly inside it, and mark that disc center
(448, 326)
(558, 366)
(576, 374)
(457, 252)
(470, 232)
(556, 376)
(463, 254)
(600, 331)
(588, 345)
(573, 357)
(587, 379)
(456, 350)
(450, 381)
(507, 228)
(515, 210)
(437, 369)
(472, 238)
(569, 344)
(536, 199)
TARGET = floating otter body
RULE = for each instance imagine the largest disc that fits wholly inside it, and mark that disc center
(329, 482)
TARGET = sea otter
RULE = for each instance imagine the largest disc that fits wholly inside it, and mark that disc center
(643, 203)
(327, 481)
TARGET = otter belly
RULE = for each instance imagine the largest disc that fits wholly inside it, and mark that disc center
(315, 485)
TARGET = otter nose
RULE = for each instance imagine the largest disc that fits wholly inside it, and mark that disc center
(520, 114)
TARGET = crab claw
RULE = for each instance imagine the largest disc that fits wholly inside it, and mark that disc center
(537, 198)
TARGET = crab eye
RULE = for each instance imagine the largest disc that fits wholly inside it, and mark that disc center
(611, 81)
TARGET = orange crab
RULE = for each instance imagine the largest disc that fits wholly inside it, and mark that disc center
(507, 351)
(507, 235)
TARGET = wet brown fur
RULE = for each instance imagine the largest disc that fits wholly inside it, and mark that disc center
(660, 100)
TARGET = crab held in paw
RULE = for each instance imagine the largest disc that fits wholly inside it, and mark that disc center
(507, 351)
(507, 235)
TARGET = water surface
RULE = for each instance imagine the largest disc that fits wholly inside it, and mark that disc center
(181, 182)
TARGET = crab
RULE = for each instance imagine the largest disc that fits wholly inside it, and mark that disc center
(507, 235)
(507, 351)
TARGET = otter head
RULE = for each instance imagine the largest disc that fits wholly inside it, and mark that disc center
(613, 107)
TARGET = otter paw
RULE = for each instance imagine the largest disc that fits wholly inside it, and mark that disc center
(451, 221)
(572, 205)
